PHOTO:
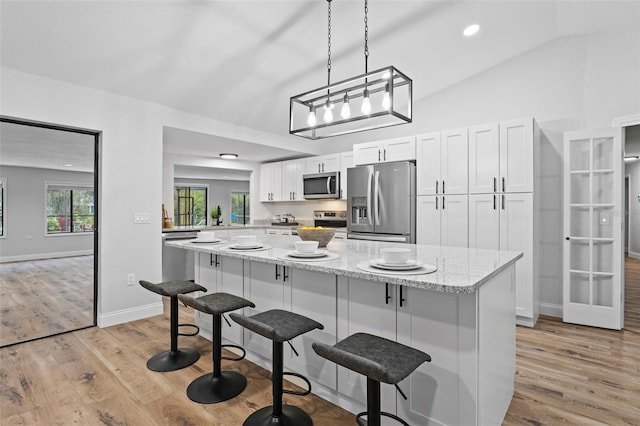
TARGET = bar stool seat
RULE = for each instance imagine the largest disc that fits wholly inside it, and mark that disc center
(175, 358)
(279, 326)
(218, 385)
(380, 360)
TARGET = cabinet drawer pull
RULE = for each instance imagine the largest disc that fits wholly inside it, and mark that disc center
(378, 155)
(437, 182)
(385, 155)
(494, 201)
(503, 185)
(387, 297)
(502, 201)
(284, 274)
(277, 273)
(495, 184)
(402, 299)
(443, 202)
(436, 202)
(443, 191)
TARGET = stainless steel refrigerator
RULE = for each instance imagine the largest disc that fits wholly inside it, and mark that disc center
(381, 202)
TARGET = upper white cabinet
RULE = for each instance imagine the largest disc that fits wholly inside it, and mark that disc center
(322, 164)
(271, 182)
(346, 161)
(292, 187)
(401, 149)
(501, 157)
(442, 162)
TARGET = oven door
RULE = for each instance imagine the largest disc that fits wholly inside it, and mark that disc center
(321, 185)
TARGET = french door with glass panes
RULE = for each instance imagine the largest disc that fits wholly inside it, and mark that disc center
(592, 280)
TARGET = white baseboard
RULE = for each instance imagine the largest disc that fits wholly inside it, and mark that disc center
(42, 256)
(634, 254)
(551, 309)
(127, 315)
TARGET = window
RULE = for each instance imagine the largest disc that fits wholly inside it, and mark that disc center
(240, 211)
(190, 205)
(3, 188)
(70, 208)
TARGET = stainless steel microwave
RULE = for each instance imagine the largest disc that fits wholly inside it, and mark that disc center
(319, 186)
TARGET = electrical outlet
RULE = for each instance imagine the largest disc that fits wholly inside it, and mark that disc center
(131, 279)
(27, 237)
(142, 217)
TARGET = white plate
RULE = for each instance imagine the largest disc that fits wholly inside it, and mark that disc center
(251, 247)
(410, 264)
(317, 253)
(216, 240)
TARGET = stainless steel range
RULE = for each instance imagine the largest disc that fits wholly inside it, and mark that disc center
(330, 219)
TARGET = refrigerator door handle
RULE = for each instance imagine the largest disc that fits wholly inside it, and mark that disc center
(376, 201)
(369, 195)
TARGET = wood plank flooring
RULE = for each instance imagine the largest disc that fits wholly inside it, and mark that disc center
(566, 374)
(45, 297)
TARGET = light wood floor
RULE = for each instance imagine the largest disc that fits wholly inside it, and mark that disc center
(566, 374)
(45, 297)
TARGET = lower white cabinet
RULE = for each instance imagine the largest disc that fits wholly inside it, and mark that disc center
(442, 220)
(505, 222)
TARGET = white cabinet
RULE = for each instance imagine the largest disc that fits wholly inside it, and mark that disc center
(322, 164)
(271, 182)
(442, 220)
(501, 157)
(401, 149)
(442, 162)
(346, 161)
(505, 222)
(292, 187)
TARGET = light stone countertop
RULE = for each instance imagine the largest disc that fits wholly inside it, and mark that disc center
(460, 270)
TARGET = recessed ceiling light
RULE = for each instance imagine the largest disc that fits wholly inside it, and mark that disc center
(471, 30)
(68, 165)
(631, 158)
(228, 155)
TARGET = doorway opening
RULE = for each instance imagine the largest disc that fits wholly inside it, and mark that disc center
(49, 239)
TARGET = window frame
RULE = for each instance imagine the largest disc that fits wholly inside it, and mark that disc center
(3, 207)
(246, 194)
(71, 186)
(193, 185)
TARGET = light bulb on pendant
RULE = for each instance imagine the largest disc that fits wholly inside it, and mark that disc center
(386, 100)
(366, 103)
(346, 110)
(328, 115)
(311, 120)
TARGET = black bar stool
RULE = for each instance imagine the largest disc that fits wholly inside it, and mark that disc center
(174, 359)
(219, 385)
(381, 360)
(279, 326)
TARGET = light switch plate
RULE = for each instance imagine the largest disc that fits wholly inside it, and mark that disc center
(142, 217)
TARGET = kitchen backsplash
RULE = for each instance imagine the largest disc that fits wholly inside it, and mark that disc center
(302, 210)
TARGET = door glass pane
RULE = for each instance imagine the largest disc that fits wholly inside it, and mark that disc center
(602, 256)
(579, 255)
(580, 154)
(603, 290)
(603, 187)
(603, 153)
(579, 291)
(580, 221)
(602, 222)
(580, 188)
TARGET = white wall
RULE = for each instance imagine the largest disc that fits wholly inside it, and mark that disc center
(25, 230)
(219, 194)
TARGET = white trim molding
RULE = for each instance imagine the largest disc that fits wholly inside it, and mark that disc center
(131, 314)
(551, 310)
(634, 255)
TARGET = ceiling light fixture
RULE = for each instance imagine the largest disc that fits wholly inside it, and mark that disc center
(384, 96)
(471, 30)
(228, 156)
(631, 158)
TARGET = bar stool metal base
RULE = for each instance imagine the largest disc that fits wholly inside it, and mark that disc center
(208, 389)
(291, 416)
(173, 360)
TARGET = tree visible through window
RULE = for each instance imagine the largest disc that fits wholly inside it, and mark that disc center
(190, 205)
(70, 209)
(240, 211)
(3, 185)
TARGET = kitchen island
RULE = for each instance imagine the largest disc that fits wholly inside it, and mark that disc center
(463, 315)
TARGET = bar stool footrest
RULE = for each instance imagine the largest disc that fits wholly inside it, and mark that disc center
(238, 358)
(195, 333)
(363, 422)
(297, 393)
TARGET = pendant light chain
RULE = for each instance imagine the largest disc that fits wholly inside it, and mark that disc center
(329, 43)
(366, 37)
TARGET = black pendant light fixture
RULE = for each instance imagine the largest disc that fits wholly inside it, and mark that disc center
(372, 100)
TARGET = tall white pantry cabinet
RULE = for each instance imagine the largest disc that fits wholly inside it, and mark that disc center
(493, 190)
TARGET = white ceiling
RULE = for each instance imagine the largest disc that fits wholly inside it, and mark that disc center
(240, 61)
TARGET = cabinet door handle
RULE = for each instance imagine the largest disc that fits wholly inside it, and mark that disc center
(387, 297)
(294, 195)
(443, 202)
(211, 260)
(495, 184)
(494, 201)
(277, 273)
(378, 155)
(323, 167)
(443, 191)
(402, 299)
(502, 201)
(217, 261)
(437, 182)
(436, 202)
(284, 274)
(503, 185)
(384, 151)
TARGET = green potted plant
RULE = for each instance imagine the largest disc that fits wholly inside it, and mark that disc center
(216, 215)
